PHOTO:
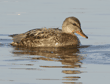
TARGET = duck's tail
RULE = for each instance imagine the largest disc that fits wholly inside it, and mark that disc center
(17, 37)
(12, 35)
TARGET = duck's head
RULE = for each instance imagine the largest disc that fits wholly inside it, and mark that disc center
(72, 25)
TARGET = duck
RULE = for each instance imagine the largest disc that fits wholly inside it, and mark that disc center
(51, 37)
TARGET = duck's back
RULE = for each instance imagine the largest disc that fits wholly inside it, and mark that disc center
(52, 37)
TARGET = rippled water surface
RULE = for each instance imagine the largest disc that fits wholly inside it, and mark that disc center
(87, 64)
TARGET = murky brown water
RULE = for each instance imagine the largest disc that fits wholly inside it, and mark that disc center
(87, 64)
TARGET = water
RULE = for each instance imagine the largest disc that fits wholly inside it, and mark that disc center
(89, 64)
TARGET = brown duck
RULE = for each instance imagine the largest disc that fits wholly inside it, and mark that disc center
(51, 37)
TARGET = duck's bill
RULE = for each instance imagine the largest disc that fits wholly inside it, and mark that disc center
(82, 34)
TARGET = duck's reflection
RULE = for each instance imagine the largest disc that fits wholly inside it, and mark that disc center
(68, 56)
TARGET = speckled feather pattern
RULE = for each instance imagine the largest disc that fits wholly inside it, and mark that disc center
(52, 37)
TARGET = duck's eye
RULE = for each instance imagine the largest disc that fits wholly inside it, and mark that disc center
(74, 24)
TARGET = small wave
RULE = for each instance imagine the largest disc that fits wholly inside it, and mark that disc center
(97, 54)
(4, 34)
(4, 41)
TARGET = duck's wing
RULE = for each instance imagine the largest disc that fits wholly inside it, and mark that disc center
(18, 37)
(38, 33)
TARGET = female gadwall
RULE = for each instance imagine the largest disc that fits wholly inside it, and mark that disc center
(52, 37)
